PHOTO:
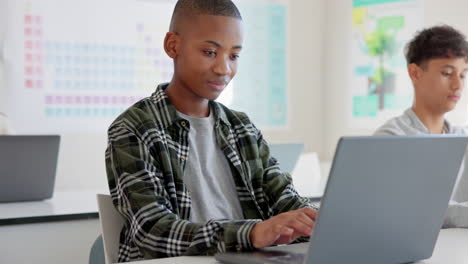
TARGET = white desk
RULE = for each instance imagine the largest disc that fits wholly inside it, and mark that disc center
(57, 230)
(71, 205)
(451, 248)
(310, 175)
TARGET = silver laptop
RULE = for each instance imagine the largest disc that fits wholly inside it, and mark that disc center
(287, 154)
(384, 202)
(27, 167)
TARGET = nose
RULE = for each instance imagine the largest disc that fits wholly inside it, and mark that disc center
(222, 66)
(458, 83)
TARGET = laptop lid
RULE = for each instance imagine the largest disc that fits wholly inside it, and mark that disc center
(384, 202)
(287, 154)
(386, 199)
(27, 167)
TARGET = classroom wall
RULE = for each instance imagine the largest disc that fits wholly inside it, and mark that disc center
(81, 160)
(319, 66)
(305, 76)
(2, 87)
(337, 61)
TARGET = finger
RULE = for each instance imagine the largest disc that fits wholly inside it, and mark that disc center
(283, 240)
(292, 220)
(283, 230)
(300, 227)
(311, 213)
(294, 237)
(305, 220)
(288, 239)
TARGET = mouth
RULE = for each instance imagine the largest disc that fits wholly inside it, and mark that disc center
(217, 85)
(454, 97)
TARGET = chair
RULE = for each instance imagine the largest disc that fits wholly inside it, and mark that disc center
(96, 255)
(111, 225)
(307, 176)
(287, 154)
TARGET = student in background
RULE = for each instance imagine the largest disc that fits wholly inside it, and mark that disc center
(437, 60)
(5, 128)
(189, 175)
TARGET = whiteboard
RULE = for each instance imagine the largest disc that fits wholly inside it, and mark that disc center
(74, 66)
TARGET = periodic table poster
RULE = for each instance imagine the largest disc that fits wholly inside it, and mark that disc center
(74, 66)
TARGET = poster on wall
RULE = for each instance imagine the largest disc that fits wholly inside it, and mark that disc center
(380, 85)
(74, 66)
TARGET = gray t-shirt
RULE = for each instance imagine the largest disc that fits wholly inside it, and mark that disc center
(409, 124)
(208, 176)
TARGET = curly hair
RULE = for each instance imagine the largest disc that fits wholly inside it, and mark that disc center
(185, 8)
(436, 42)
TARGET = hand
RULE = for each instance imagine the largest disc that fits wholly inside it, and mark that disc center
(283, 228)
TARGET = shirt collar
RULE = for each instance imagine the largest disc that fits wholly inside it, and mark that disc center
(167, 114)
(416, 122)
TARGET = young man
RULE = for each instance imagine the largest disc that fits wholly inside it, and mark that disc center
(189, 175)
(437, 60)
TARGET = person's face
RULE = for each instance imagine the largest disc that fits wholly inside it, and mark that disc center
(207, 54)
(439, 83)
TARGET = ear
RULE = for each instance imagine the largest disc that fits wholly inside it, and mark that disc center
(414, 72)
(171, 44)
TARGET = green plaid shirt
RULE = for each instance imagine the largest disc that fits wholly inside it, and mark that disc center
(145, 160)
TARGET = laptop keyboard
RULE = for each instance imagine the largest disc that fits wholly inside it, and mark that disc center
(315, 204)
(286, 258)
(278, 257)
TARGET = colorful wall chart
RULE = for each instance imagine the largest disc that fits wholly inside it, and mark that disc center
(380, 29)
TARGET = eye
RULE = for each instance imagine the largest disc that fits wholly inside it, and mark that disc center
(446, 74)
(234, 57)
(210, 53)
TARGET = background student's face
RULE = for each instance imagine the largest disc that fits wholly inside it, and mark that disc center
(439, 83)
(208, 56)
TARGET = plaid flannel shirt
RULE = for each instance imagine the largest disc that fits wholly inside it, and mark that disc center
(145, 160)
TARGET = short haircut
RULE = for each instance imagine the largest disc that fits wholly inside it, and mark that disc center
(185, 8)
(436, 42)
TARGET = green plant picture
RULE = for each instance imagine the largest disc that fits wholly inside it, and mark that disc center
(380, 30)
